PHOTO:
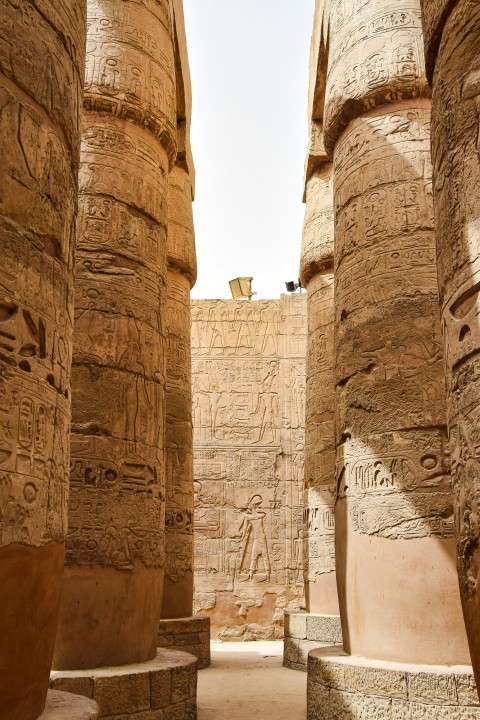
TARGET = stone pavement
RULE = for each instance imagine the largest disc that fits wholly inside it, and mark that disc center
(247, 681)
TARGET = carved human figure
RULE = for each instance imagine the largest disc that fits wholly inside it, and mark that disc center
(253, 539)
(453, 62)
(41, 70)
(113, 581)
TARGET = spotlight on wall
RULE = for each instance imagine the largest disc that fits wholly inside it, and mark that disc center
(293, 286)
(241, 288)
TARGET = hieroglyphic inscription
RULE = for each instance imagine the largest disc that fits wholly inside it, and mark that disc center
(179, 434)
(389, 369)
(248, 414)
(317, 275)
(454, 60)
(376, 57)
(128, 145)
(40, 85)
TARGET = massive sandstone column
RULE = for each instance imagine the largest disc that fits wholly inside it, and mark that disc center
(394, 514)
(321, 622)
(181, 275)
(41, 71)
(317, 277)
(115, 553)
(453, 60)
(394, 505)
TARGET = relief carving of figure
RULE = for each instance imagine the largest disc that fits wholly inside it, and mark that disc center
(253, 539)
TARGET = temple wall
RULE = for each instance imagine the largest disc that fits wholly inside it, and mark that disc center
(248, 378)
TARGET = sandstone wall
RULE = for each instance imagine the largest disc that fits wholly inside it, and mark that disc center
(248, 414)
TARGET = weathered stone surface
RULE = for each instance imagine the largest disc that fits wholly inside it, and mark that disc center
(316, 272)
(178, 589)
(41, 70)
(342, 686)
(455, 123)
(394, 509)
(190, 635)
(375, 58)
(160, 689)
(307, 631)
(65, 706)
(392, 461)
(115, 553)
(248, 410)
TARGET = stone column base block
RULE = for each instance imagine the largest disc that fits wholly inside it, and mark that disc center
(191, 634)
(65, 706)
(305, 632)
(354, 688)
(163, 689)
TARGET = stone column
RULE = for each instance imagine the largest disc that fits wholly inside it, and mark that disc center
(41, 70)
(115, 552)
(395, 549)
(181, 276)
(178, 627)
(321, 622)
(453, 60)
(317, 276)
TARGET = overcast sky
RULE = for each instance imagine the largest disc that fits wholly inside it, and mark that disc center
(249, 67)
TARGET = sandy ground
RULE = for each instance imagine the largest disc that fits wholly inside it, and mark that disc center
(247, 681)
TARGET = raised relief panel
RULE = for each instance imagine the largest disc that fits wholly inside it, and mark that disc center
(248, 380)
(376, 57)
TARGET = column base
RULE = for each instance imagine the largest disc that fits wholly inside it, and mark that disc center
(191, 634)
(163, 689)
(305, 632)
(65, 706)
(354, 688)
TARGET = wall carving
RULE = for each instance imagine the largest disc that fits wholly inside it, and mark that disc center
(248, 380)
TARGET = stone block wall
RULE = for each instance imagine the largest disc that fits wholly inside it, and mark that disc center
(248, 416)
(191, 635)
(305, 632)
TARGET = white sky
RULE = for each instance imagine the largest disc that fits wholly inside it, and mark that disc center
(249, 67)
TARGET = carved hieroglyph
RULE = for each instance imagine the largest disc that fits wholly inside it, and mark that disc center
(178, 588)
(394, 512)
(41, 70)
(248, 417)
(317, 277)
(115, 550)
(456, 155)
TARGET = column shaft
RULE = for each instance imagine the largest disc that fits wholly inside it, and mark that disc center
(41, 72)
(178, 593)
(115, 554)
(317, 277)
(453, 56)
(394, 514)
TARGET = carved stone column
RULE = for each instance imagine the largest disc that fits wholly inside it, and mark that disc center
(317, 277)
(321, 622)
(453, 60)
(181, 276)
(41, 71)
(395, 550)
(115, 553)
(178, 627)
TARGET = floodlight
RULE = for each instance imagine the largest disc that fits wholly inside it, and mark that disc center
(293, 286)
(241, 288)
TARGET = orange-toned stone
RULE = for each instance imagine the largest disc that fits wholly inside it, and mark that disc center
(41, 73)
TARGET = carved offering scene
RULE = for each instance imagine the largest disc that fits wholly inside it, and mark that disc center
(248, 384)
